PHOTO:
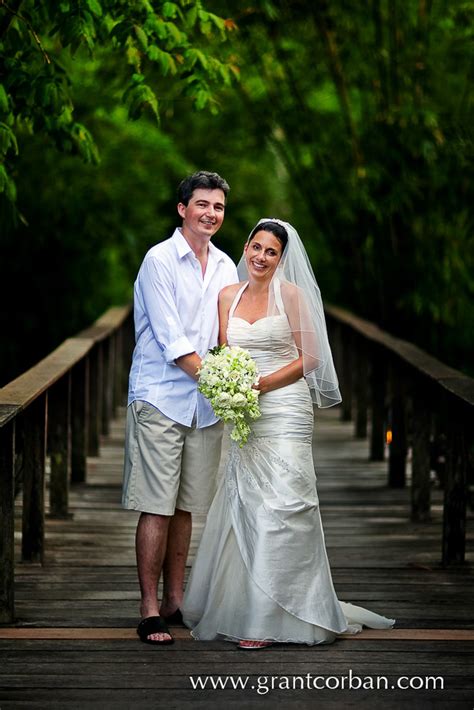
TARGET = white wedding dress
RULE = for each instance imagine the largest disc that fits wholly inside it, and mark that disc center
(261, 571)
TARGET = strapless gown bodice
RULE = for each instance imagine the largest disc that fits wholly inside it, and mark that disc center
(271, 344)
(269, 341)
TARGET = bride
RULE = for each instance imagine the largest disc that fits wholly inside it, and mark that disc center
(261, 573)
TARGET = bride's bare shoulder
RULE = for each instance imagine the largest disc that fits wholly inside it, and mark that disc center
(227, 294)
(290, 291)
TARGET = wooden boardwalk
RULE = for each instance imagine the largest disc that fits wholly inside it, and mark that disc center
(75, 645)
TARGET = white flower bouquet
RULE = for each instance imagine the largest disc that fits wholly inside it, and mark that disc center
(226, 377)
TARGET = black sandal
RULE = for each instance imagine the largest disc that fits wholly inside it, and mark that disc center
(153, 625)
(175, 619)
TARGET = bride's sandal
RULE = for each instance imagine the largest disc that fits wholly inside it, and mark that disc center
(249, 645)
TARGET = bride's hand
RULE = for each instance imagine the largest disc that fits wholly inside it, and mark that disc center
(260, 384)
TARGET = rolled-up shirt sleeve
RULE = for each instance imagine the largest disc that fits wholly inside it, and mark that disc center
(160, 306)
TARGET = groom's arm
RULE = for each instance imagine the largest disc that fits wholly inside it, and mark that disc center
(159, 301)
(190, 364)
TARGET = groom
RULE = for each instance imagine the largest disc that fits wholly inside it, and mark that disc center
(173, 438)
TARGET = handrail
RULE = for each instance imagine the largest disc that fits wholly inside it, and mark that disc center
(59, 406)
(424, 404)
(453, 381)
(63, 404)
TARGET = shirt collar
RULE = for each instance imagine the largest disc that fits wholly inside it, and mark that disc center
(183, 248)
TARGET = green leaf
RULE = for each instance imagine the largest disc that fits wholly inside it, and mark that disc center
(121, 31)
(8, 140)
(201, 98)
(191, 16)
(170, 9)
(141, 37)
(175, 33)
(194, 56)
(218, 22)
(84, 143)
(158, 26)
(3, 177)
(7, 185)
(95, 7)
(139, 98)
(4, 102)
(164, 59)
(134, 56)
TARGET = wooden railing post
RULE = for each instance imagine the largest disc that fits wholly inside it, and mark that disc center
(49, 404)
(455, 490)
(118, 370)
(79, 420)
(346, 384)
(128, 344)
(95, 399)
(421, 456)
(398, 445)
(378, 386)
(107, 387)
(438, 448)
(32, 548)
(59, 436)
(7, 521)
(360, 388)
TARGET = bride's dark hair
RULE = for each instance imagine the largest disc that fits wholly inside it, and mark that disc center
(274, 228)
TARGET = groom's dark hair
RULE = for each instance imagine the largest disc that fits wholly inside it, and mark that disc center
(204, 180)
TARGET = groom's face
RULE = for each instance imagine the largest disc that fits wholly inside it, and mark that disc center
(204, 213)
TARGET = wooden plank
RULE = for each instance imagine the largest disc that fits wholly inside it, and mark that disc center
(95, 399)
(107, 385)
(59, 435)
(346, 376)
(180, 680)
(8, 412)
(124, 698)
(7, 506)
(79, 421)
(421, 483)
(34, 382)
(446, 378)
(109, 322)
(32, 540)
(215, 654)
(110, 633)
(118, 371)
(398, 445)
(378, 386)
(380, 559)
(455, 493)
(361, 386)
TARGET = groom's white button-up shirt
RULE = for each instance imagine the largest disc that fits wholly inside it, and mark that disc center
(175, 311)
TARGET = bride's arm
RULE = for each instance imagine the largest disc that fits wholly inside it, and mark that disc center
(226, 296)
(282, 377)
(296, 312)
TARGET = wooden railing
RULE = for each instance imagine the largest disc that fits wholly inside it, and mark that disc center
(59, 407)
(426, 406)
(62, 405)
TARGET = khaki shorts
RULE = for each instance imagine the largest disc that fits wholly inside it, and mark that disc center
(168, 465)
